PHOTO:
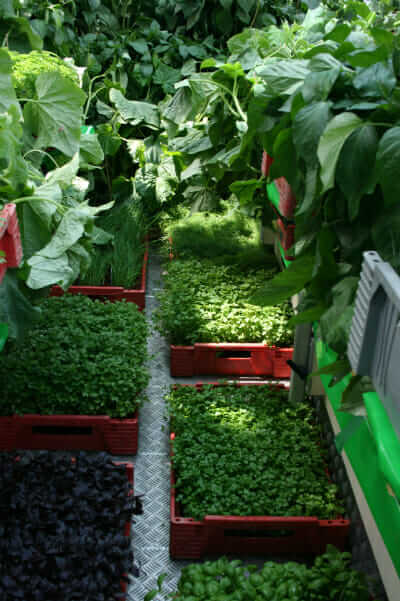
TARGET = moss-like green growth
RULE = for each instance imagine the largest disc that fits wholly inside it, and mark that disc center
(27, 67)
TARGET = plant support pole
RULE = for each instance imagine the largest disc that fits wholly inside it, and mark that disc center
(301, 358)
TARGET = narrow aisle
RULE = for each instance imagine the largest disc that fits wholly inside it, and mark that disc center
(152, 473)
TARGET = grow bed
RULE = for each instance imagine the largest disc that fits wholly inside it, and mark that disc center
(114, 293)
(192, 538)
(185, 314)
(65, 525)
(69, 388)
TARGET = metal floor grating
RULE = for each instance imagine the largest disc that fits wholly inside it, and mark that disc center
(152, 471)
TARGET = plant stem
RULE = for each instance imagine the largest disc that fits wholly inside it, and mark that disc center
(60, 207)
(239, 112)
(255, 14)
(42, 152)
(90, 95)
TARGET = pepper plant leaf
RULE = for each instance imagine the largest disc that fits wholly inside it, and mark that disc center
(324, 71)
(376, 81)
(285, 284)
(355, 169)
(335, 323)
(308, 127)
(388, 165)
(245, 190)
(283, 77)
(331, 143)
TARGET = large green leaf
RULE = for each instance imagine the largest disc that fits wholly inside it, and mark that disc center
(388, 165)
(226, 156)
(44, 202)
(13, 166)
(352, 397)
(166, 77)
(248, 47)
(335, 323)
(376, 81)
(7, 92)
(21, 36)
(355, 168)
(324, 71)
(339, 33)
(195, 141)
(136, 112)
(339, 369)
(46, 271)
(91, 150)
(284, 154)
(201, 198)
(283, 77)
(285, 284)
(63, 176)
(367, 58)
(308, 315)
(386, 235)
(55, 117)
(179, 108)
(331, 143)
(7, 9)
(15, 309)
(34, 227)
(306, 204)
(70, 229)
(308, 126)
(195, 168)
(244, 190)
(325, 266)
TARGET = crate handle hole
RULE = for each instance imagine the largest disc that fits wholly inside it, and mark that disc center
(233, 354)
(63, 430)
(262, 533)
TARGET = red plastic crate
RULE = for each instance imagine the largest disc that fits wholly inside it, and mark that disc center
(253, 535)
(266, 163)
(113, 293)
(230, 359)
(250, 535)
(10, 239)
(70, 432)
(287, 200)
(286, 237)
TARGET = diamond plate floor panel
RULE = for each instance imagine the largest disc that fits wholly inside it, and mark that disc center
(152, 470)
